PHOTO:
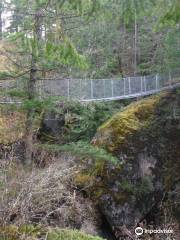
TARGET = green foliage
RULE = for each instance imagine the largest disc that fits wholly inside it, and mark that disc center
(108, 48)
(113, 38)
(38, 105)
(81, 121)
(35, 104)
(64, 53)
(171, 43)
(131, 9)
(57, 49)
(82, 150)
(171, 13)
(16, 36)
(140, 189)
(31, 232)
(17, 93)
(70, 234)
(81, 6)
(5, 75)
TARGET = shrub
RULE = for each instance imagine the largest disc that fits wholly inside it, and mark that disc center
(80, 121)
(82, 150)
(45, 196)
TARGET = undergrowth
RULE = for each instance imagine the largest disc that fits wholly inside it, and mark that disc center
(78, 121)
(82, 150)
(31, 232)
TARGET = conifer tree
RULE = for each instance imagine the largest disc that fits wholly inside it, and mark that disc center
(41, 45)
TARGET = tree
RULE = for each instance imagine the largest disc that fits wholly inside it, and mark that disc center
(38, 51)
(1, 20)
(123, 39)
(169, 12)
(119, 41)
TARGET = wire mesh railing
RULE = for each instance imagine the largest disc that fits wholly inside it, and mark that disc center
(96, 89)
(106, 89)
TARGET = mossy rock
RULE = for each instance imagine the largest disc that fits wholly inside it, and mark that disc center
(29, 232)
(145, 137)
(124, 124)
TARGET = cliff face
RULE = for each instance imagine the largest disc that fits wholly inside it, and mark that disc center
(146, 139)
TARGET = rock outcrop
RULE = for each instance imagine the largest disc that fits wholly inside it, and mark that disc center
(146, 139)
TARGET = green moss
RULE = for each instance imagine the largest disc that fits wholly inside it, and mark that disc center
(84, 179)
(123, 125)
(34, 233)
(70, 234)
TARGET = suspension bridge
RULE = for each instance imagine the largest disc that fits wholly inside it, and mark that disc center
(88, 90)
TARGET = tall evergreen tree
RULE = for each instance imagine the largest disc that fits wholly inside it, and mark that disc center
(38, 51)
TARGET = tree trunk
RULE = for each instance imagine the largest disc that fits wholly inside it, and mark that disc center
(30, 114)
(1, 23)
(135, 44)
(31, 89)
